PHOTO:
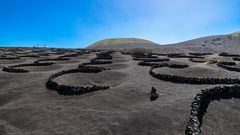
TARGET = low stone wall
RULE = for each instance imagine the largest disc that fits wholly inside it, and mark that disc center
(16, 69)
(75, 90)
(230, 63)
(229, 67)
(155, 59)
(180, 55)
(236, 58)
(44, 54)
(200, 54)
(9, 58)
(202, 101)
(54, 59)
(144, 56)
(99, 61)
(197, 60)
(31, 56)
(192, 80)
(155, 65)
(228, 54)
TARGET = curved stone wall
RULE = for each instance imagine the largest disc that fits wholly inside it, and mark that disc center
(201, 102)
(96, 61)
(200, 54)
(9, 58)
(180, 55)
(16, 69)
(236, 58)
(225, 54)
(198, 60)
(229, 67)
(54, 59)
(192, 80)
(155, 65)
(74, 90)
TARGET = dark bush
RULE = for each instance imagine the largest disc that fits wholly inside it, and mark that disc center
(104, 55)
(138, 52)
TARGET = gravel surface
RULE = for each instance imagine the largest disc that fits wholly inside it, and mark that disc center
(27, 107)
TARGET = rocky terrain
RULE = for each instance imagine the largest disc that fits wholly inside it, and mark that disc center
(50, 91)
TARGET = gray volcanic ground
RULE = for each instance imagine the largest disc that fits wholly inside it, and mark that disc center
(27, 107)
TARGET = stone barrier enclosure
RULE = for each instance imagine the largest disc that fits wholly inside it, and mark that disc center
(192, 80)
(201, 102)
(231, 66)
(16, 69)
(75, 90)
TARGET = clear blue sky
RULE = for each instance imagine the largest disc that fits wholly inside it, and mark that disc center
(78, 23)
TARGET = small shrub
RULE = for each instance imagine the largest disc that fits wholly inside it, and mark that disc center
(138, 52)
(212, 61)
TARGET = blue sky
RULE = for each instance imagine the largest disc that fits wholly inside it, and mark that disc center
(78, 23)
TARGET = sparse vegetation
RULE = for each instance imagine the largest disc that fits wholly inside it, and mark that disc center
(236, 34)
(138, 52)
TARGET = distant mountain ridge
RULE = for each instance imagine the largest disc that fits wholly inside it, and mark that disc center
(123, 43)
(211, 44)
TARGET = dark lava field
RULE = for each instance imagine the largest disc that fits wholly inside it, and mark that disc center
(47, 91)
